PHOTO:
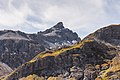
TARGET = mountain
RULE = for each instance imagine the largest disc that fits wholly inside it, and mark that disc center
(17, 47)
(96, 57)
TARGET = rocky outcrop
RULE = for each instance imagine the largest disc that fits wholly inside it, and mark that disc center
(110, 71)
(109, 34)
(4, 70)
(17, 47)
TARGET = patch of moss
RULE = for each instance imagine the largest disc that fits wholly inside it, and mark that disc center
(32, 77)
(113, 71)
(75, 55)
(60, 51)
(31, 61)
(55, 78)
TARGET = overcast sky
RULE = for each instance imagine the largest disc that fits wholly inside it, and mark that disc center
(81, 16)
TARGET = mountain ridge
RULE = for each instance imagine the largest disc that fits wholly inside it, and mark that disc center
(93, 58)
(18, 47)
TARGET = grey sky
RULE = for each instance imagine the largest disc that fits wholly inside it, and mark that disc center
(82, 16)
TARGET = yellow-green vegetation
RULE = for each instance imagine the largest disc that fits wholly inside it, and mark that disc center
(59, 78)
(112, 69)
(97, 67)
(72, 79)
(57, 52)
(112, 72)
(75, 55)
(32, 77)
(104, 65)
(55, 78)
(31, 61)
(35, 77)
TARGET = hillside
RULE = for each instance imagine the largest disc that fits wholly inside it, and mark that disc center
(95, 57)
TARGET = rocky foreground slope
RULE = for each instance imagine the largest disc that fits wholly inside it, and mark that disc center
(17, 47)
(96, 57)
(4, 70)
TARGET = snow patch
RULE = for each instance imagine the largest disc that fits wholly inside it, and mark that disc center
(74, 41)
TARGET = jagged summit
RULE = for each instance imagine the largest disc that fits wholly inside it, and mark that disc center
(59, 25)
(60, 33)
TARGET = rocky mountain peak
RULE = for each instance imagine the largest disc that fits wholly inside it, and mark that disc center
(18, 47)
(60, 34)
(59, 25)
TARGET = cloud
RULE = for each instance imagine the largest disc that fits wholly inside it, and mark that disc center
(82, 16)
(14, 16)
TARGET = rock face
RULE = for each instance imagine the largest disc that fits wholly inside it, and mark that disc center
(4, 70)
(17, 47)
(110, 34)
(95, 57)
